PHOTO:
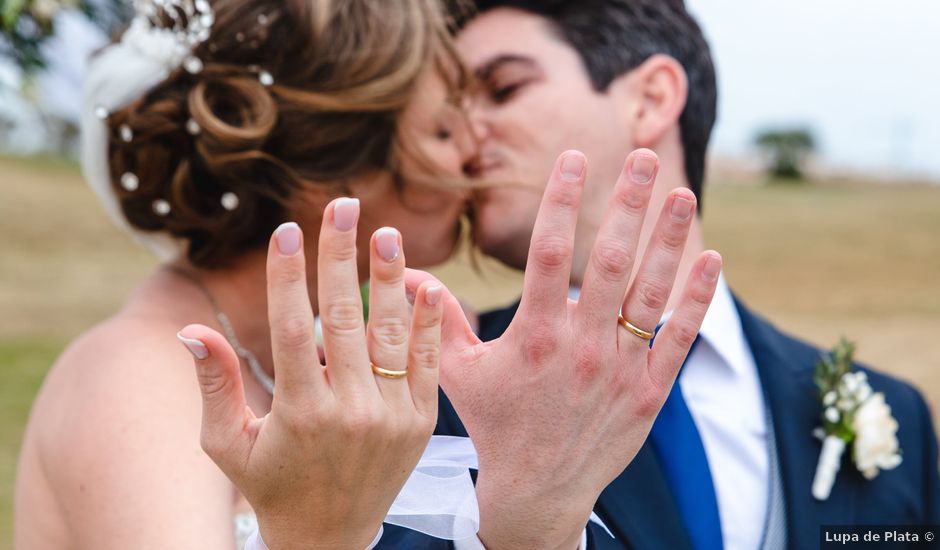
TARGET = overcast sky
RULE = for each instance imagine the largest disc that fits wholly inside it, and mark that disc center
(863, 74)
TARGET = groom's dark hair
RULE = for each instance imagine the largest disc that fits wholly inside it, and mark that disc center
(614, 37)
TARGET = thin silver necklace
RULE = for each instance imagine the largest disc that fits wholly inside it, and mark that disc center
(253, 364)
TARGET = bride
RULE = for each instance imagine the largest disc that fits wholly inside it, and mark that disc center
(207, 128)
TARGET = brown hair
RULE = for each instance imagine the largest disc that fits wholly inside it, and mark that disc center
(343, 71)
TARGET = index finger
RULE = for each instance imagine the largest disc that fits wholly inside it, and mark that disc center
(296, 364)
(548, 268)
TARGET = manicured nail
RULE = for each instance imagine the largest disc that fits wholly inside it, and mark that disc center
(712, 267)
(572, 167)
(287, 236)
(681, 209)
(642, 169)
(386, 243)
(345, 213)
(433, 295)
(197, 348)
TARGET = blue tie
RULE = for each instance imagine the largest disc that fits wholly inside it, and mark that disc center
(685, 465)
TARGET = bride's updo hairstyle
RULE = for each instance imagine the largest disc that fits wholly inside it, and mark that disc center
(289, 93)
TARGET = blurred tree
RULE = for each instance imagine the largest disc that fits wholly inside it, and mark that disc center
(26, 24)
(786, 151)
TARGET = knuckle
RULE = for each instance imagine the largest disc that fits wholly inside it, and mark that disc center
(425, 354)
(213, 383)
(539, 346)
(653, 296)
(289, 273)
(426, 317)
(565, 197)
(340, 250)
(361, 422)
(298, 424)
(631, 202)
(701, 295)
(342, 317)
(391, 274)
(295, 332)
(613, 262)
(551, 254)
(684, 334)
(588, 363)
(421, 428)
(673, 240)
(389, 332)
(649, 401)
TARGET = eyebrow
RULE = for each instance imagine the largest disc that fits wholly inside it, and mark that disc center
(487, 70)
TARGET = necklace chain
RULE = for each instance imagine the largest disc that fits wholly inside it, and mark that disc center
(253, 364)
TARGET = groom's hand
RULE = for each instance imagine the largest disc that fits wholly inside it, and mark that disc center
(561, 403)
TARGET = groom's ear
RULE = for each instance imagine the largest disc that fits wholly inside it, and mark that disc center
(651, 99)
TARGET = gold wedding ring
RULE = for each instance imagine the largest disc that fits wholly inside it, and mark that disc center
(385, 373)
(634, 330)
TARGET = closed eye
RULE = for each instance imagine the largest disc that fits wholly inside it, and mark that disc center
(502, 94)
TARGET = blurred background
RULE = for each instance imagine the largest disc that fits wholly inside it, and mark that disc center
(823, 192)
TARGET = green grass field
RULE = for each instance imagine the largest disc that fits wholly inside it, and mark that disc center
(821, 260)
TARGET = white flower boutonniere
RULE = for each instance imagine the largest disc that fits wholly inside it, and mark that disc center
(852, 414)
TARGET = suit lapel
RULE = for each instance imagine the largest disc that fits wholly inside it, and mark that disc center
(785, 368)
(639, 509)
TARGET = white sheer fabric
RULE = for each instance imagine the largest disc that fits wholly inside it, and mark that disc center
(120, 74)
(439, 498)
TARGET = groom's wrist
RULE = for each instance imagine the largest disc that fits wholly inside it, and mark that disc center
(273, 535)
(255, 542)
(518, 517)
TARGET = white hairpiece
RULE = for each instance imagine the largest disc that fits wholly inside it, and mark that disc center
(160, 39)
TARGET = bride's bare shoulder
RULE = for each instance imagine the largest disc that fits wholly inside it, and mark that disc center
(129, 375)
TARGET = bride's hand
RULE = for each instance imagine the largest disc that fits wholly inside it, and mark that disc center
(323, 468)
(560, 404)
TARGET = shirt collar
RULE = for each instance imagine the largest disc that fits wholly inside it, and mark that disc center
(721, 328)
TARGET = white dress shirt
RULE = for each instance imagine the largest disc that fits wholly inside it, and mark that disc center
(720, 384)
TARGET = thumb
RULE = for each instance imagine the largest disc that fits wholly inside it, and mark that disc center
(456, 333)
(224, 408)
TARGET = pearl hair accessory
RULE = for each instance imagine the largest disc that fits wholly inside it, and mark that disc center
(229, 201)
(161, 207)
(130, 182)
(193, 128)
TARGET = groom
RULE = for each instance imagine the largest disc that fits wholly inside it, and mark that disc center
(731, 460)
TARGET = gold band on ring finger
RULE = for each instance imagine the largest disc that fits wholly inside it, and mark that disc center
(386, 373)
(646, 335)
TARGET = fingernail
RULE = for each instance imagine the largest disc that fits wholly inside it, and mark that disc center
(433, 295)
(572, 166)
(681, 209)
(386, 243)
(410, 296)
(345, 213)
(197, 348)
(712, 267)
(642, 169)
(287, 237)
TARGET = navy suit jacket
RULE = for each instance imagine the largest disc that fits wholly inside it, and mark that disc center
(638, 506)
